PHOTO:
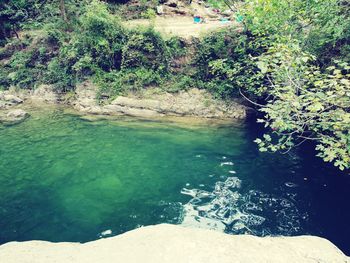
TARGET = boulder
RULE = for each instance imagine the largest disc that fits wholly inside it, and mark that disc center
(10, 99)
(14, 116)
(17, 114)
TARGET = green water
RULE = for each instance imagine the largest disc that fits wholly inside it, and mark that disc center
(63, 178)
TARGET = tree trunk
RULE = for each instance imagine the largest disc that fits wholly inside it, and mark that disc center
(14, 31)
(63, 11)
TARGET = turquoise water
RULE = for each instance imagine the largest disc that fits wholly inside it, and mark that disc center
(63, 178)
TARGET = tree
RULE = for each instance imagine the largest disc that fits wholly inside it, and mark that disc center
(63, 11)
(305, 88)
(306, 104)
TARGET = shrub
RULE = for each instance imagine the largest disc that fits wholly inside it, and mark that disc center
(225, 65)
(180, 82)
(145, 48)
(176, 47)
(149, 14)
(120, 82)
(60, 76)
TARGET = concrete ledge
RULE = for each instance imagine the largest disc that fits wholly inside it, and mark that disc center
(176, 244)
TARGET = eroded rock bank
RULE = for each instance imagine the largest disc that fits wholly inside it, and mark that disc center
(156, 103)
(172, 244)
(151, 103)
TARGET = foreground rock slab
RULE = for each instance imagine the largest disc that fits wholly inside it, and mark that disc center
(173, 244)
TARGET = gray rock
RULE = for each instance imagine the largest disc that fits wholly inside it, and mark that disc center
(14, 116)
(160, 10)
(45, 93)
(227, 13)
(141, 113)
(136, 103)
(173, 244)
(194, 102)
(17, 114)
(86, 98)
(2, 105)
(10, 99)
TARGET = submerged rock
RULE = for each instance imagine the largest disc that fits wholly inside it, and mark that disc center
(13, 117)
(173, 244)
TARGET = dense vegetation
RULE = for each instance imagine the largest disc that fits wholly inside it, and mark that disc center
(291, 61)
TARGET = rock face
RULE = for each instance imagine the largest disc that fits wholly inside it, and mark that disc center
(44, 93)
(173, 244)
(151, 103)
(194, 103)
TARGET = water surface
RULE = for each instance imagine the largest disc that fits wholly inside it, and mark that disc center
(63, 178)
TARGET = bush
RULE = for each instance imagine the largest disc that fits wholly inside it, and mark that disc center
(180, 82)
(176, 47)
(60, 76)
(28, 66)
(120, 82)
(114, 56)
(4, 80)
(145, 48)
(225, 65)
(149, 14)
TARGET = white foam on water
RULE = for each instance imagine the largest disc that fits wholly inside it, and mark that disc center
(291, 185)
(106, 233)
(227, 209)
(226, 163)
(191, 219)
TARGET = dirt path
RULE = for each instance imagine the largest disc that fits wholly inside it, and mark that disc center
(181, 26)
